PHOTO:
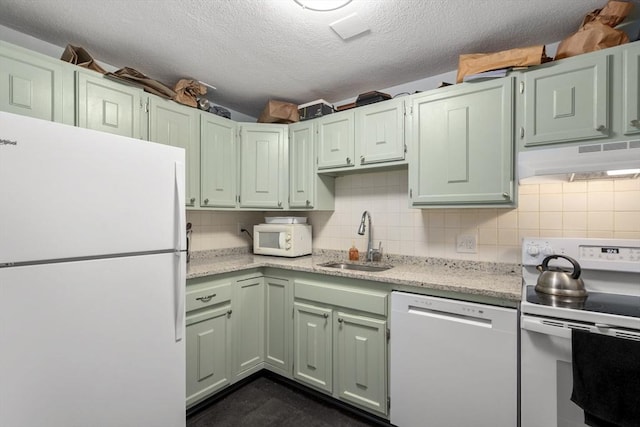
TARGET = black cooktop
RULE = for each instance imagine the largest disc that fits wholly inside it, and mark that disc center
(620, 305)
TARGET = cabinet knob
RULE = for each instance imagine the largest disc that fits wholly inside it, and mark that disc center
(348, 160)
(340, 320)
(325, 315)
(206, 201)
(506, 195)
(308, 203)
(279, 204)
(601, 128)
(193, 200)
(635, 123)
(362, 160)
(229, 313)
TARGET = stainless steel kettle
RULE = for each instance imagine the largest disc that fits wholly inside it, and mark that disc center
(559, 281)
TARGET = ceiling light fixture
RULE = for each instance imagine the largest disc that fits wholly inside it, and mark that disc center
(322, 5)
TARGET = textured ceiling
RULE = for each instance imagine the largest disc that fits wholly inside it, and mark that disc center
(255, 50)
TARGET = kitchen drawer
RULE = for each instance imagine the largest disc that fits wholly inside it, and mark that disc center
(207, 296)
(356, 299)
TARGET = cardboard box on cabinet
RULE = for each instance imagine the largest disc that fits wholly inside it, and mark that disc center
(279, 112)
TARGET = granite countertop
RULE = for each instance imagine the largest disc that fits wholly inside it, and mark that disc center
(493, 280)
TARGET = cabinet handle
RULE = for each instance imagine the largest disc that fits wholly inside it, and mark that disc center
(308, 203)
(325, 315)
(601, 128)
(206, 201)
(348, 160)
(362, 160)
(229, 313)
(340, 320)
(635, 123)
(193, 200)
(279, 204)
(205, 299)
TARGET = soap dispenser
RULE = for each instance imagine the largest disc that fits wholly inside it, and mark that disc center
(353, 253)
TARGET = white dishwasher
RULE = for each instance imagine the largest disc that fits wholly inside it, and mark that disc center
(453, 363)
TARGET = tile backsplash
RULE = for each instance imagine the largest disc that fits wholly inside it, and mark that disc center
(603, 208)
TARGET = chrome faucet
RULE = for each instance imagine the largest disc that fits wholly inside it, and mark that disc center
(372, 254)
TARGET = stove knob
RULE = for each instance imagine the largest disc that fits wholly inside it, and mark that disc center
(533, 250)
(547, 250)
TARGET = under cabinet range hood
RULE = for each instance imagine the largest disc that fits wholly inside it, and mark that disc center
(608, 160)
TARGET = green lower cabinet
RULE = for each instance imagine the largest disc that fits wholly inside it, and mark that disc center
(361, 361)
(313, 346)
(278, 325)
(248, 326)
(208, 346)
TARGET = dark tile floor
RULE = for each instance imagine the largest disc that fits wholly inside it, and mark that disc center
(266, 402)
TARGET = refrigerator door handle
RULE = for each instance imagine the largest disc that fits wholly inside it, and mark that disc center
(181, 267)
(179, 288)
(180, 206)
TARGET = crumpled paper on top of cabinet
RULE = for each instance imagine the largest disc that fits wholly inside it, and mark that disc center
(188, 91)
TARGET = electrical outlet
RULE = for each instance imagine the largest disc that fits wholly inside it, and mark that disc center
(467, 243)
(240, 226)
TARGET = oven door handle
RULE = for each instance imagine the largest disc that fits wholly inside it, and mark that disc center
(544, 327)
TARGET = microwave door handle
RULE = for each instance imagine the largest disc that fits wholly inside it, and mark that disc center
(282, 240)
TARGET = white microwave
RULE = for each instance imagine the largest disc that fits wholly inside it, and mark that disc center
(288, 240)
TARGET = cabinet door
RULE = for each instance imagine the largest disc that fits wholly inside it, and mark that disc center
(463, 140)
(335, 140)
(631, 89)
(380, 132)
(568, 101)
(263, 177)
(31, 85)
(208, 346)
(279, 322)
(177, 125)
(218, 162)
(361, 354)
(301, 168)
(313, 346)
(107, 106)
(248, 325)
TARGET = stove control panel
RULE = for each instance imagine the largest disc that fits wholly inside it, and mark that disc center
(596, 254)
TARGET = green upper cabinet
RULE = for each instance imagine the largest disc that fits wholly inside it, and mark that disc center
(301, 170)
(307, 189)
(462, 141)
(263, 165)
(380, 132)
(335, 140)
(177, 125)
(631, 88)
(107, 106)
(361, 361)
(364, 137)
(567, 100)
(35, 85)
(218, 161)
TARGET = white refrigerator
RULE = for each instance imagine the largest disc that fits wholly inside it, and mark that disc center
(92, 276)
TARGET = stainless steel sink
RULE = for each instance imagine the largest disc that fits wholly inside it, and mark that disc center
(357, 267)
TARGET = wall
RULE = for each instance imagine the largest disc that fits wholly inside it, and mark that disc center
(607, 209)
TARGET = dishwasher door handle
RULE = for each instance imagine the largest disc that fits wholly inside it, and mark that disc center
(454, 317)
